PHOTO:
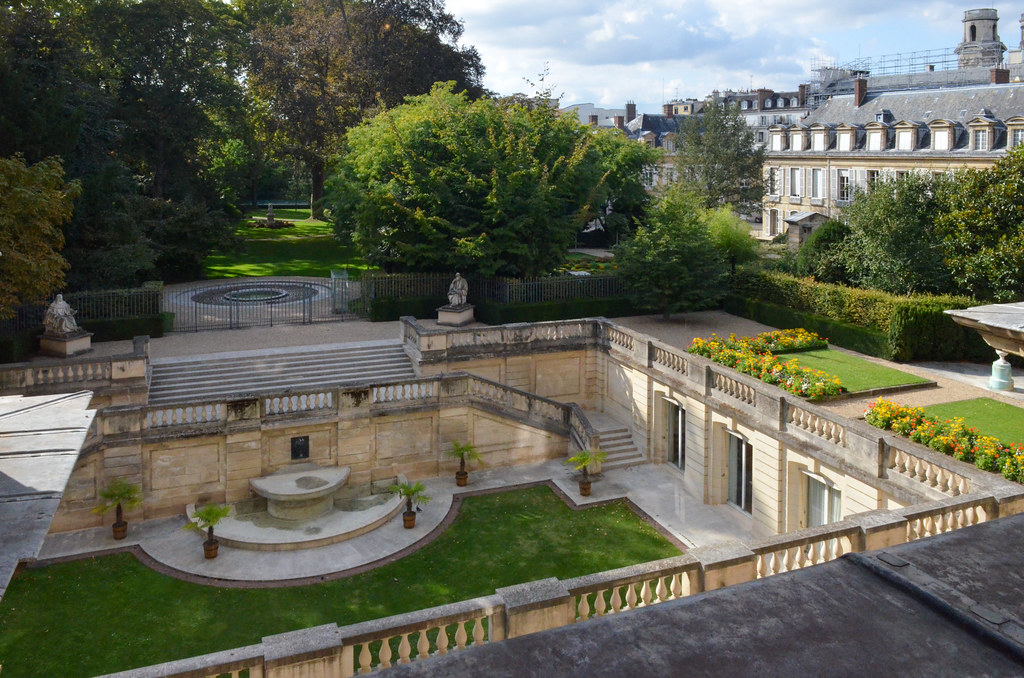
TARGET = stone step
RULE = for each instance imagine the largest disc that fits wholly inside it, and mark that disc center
(215, 377)
(237, 373)
(623, 459)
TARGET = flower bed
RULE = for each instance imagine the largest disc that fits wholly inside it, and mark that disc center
(753, 356)
(951, 437)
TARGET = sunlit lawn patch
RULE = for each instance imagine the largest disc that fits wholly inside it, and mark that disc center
(991, 417)
(110, 613)
(856, 374)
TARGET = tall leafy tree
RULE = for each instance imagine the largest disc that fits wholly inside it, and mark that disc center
(981, 226)
(334, 62)
(892, 245)
(717, 155)
(671, 263)
(34, 202)
(488, 187)
(625, 165)
(731, 237)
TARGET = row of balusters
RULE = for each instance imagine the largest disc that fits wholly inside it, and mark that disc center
(927, 472)
(417, 645)
(613, 599)
(945, 521)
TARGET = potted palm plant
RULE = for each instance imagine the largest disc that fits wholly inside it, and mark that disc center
(464, 452)
(585, 461)
(204, 519)
(413, 495)
(119, 495)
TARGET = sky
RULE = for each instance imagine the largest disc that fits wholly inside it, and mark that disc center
(606, 52)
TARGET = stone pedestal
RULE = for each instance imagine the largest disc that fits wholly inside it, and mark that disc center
(1002, 374)
(65, 346)
(455, 316)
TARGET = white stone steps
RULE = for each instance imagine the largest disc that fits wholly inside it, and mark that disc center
(617, 442)
(214, 377)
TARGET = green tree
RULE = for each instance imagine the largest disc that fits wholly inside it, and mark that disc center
(822, 256)
(671, 263)
(484, 187)
(731, 237)
(717, 155)
(336, 61)
(892, 245)
(981, 225)
(34, 202)
(624, 193)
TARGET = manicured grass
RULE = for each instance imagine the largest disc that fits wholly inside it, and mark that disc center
(108, 614)
(856, 374)
(307, 248)
(990, 417)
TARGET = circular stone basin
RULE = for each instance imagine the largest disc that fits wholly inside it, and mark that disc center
(255, 295)
(309, 482)
(300, 492)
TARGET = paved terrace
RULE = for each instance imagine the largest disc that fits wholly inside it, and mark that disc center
(656, 490)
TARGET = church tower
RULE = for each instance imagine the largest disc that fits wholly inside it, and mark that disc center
(981, 45)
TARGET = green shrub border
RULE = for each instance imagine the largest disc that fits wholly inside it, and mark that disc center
(851, 337)
(494, 313)
(914, 328)
(15, 348)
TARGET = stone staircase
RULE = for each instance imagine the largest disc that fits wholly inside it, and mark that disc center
(616, 441)
(225, 375)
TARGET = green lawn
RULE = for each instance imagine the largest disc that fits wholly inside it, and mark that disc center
(108, 614)
(991, 417)
(856, 374)
(307, 248)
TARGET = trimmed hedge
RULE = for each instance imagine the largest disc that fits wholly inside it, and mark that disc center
(914, 328)
(16, 348)
(846, 335)
(493, 313)
(382, 310)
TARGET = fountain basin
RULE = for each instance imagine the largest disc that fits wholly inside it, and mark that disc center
(300, 492)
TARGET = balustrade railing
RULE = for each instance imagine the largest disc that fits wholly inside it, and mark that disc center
(620, 339)
(611, 592)
(735, 389)
(673, 361)
(292, 404)
(804, 548)
(183, 415)
(815, 424)
(926, 471)
(926, 521)
(404, 392)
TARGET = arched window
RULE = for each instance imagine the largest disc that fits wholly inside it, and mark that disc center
(974, 33)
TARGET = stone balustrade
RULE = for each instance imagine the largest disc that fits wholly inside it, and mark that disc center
(183, 415)
(114, 380)
(929, 471)
(536, 606)
(435, 345)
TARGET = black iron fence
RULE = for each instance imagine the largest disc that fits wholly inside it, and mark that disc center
(91, 305)
(377, 285)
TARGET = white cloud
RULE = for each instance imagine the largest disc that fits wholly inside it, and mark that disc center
(608, 51)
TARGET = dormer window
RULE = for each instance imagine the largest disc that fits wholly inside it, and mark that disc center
(1017, 138)
(743, 105)
(875, 140)
(941, 140)
(846, 141)
(767, 103)
(794, 103)
(905, 140)
(796, 141)
(981, 140)
(776, 141)
(818, 141)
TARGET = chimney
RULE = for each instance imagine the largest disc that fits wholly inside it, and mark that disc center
(620, 123)
(860, 92)
(999, 76)
(666, 110)
(593, 119)
(801, 96)
(630, 111)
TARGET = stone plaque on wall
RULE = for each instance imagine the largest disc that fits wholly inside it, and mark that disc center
(300, 447)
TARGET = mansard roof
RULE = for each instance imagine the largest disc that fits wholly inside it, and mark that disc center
(959, 104)
(648, 122)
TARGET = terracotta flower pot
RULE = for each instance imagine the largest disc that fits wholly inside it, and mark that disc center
(409, 519)
(585, 488)
(461, 478)
(210, 548)
(121, 529)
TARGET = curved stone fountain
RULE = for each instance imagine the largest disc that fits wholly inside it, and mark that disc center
(301, 492)
(304, 506)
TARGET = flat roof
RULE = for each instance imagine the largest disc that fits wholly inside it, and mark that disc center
(40, 440)
(950, 605)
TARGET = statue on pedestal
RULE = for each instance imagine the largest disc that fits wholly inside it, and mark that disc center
(59, 320)
(458, 291)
